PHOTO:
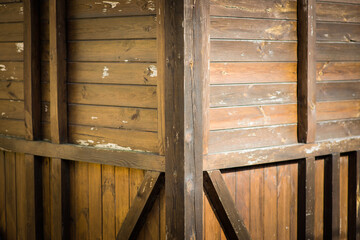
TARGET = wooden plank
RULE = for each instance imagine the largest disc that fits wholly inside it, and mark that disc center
(212, 228)
(56, 198)
(11, 32)
(334, 71)
(319, 200)
(11, 71)
(11, 90)
(223, 96)
(256, 72)
(95, 226)
(140, 160)
(306, 71)
(306, 201)
(112, 28)
(82, 200)
(353, 196)
(332, 197)
(239, 28)
(344, 169)
(237, 117)
(236, 139)
(338, 91)
(271, 206)
(90, 8)
(338, 12)
(20, 189)
(12, 51)
(108, 202)
(113, 95)
(256, 226)
(338, 129)
(242, 199)
(46, 197)
(259, 9)
(187, 49)
(10, 195)
(12, 109)
(337, 32)
(12, 12)
(341, 1)
(221, 200)
(128, 140)
(252, 51)
(122, 196)
(338, 110)
(337, 51)
(112, 50)
(142, 204)
(230, 181)
(293, 200)
(2, 194)
(283, 201)
(12, 127)
(116, 73)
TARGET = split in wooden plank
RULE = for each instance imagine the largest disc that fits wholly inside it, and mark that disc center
(354, 196)
(224, 205)
(141, 206)
(306, 71)
(332, 197)
(306, 201)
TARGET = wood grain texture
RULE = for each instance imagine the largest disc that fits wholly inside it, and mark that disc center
(95, 227)
(11, 32)
(11, 71)
(338, 129)
(11, 90)
(256, 228)
(335, 91)
(122, 195)
(337, 12)
(112, 50)
(10, 194)
(108, 200)
(338, 110)
(337, 51)
(338, 32)
(319, 200)
(271, 194)
(283, 198)
(12, 51)
(13, 12)
(344, 170)
(252, 51)
(12, 127)
(12, 109)
(333, 71)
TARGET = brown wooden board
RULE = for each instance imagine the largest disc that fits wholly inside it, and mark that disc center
(11, 51)
(10, 194)
(11, 90)
(11, 32)
(334, 91)
(319, 199)
(337, 12)
(337, 32)
(338, 129)
(354, 193)
(12, 127)
(11, 109)
(337, 51)
(13, 12)
(338, 110)
(333, 71)
(11, 70)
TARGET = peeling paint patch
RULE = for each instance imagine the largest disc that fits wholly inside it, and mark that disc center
(312, 149)
(2, 68)
(111, 3)
(21, 11)
(105, 72)
(113, 146)
(19, 47)
(94, 118)
(152, 71)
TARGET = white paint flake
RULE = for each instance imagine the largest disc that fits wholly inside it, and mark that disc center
(19, 47)
(2, 68)
(105, 72)
(153, 71)
(111, 3)
(113, 146)
(3, 114)
(46, 108)
(312, 149)
(94, 118)
(21, 11)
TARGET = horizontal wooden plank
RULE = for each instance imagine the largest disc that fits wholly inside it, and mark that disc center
(239, 28)
(337, 12)
(93, 8)
(10, 1)
(11, 70)
(337, 110)
(13, 12)
(11, 32)
(119, 73)
(114, 95)
(114, 138)
(129, 159)
(238, 117)
(338, 91)
(258, 9)
(12, 109)
(223, 73)
(12, 127)
(342, 1)
(338, 52)
(255, 50)
(11, 51)
(113, 50)
(338, 32)
(112, 28)
(251, 157)
(236, 95)
(329, 71)
(337, 129)
(11, 90)
(237, 139)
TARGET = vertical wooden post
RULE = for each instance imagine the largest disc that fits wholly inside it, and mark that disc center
(354, 197)
(32, 93)
(306, 201)
(332, 197)
(186, 54)
(58, 112)
(306, 71)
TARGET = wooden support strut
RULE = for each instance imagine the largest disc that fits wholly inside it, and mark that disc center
(354, 196)
(143, 202)
(224, 206)
(306, 71)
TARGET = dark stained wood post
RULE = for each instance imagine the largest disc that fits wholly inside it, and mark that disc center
(186, 53)
(354, 196)
(32, 93)
(306, 199)
(306, 71)
(58, 113)
(332, 197)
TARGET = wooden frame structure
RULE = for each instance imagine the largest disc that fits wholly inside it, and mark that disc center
(184, 163)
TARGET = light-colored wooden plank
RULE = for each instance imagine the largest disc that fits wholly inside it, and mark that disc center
(122, 195)
(271, 192)
(11, 71)
(12, 109)
(82, 200)
(13, 12)
(95, 225)
(12, 127)
(257, 203)
(11, 90)
(12, 51)
(108, 201)
(11, 32)
(283, 199)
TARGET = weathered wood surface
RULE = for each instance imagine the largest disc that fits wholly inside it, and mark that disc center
(11, 51)
(12, 12)
(338, 12)
(337, 51)
(12, 127)
(11, 71)
(338, 129)
(333, 71)
(11, 90)
(333, 91)
(354, 193)
(338, 32)
(11, 32)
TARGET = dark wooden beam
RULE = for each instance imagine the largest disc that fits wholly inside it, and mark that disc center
(306, 70)
(332, 197)
(141, 206)
(250, 157)
(306, 199)
(224, 206)
(58, 117)
(129, 159)
(354, 196)
(32, 108)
